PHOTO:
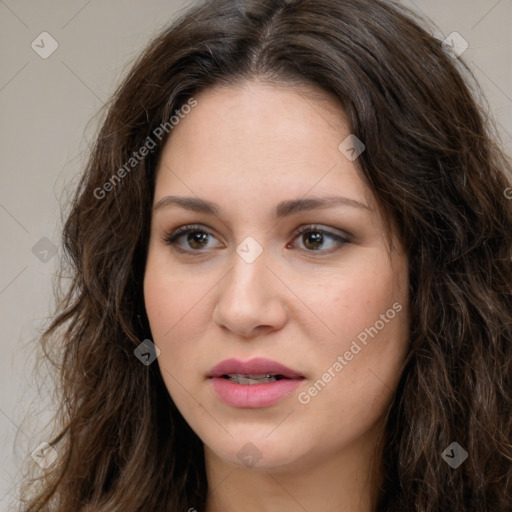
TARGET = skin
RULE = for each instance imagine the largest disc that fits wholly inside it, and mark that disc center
(247, 147)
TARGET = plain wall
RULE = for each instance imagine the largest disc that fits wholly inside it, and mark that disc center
(47, 117)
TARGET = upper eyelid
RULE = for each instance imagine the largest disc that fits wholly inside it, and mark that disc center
(180, 231)
(207, 229)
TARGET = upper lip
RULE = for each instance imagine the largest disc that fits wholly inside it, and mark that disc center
(256, 366)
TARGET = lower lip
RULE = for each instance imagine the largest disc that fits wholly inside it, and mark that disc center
(252, 396)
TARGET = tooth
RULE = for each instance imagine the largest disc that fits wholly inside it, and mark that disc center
(251, 379)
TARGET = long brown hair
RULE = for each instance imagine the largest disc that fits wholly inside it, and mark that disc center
(435, 164)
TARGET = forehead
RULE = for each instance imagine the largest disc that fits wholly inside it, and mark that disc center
(254, 113)
(260, 137)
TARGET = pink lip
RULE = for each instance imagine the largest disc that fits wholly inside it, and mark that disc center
(256, 366)
(253, 396)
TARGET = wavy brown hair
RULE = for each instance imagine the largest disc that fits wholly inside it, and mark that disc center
(435, 163)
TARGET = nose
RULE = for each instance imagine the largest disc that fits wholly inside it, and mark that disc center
(251, 299)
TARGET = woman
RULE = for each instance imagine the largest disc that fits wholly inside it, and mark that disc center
(292, 276)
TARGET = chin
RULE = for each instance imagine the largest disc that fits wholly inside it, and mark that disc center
(254, 453)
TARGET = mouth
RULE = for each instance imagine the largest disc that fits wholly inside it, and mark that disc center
(255, 371)
(253, 379)
(253, 384)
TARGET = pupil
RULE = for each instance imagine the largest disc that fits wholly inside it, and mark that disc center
(196, 237)
(316, 235)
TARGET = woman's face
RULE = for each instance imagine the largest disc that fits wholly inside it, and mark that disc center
(330, 304)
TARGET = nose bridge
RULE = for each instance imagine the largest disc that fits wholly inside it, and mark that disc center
(249, 266)
(247, 298)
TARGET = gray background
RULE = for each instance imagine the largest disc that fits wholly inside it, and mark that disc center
(47, 124)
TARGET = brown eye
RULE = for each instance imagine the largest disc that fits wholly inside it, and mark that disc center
(314, 238)
(196, 238)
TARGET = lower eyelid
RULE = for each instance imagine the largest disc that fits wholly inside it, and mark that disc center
(174, 236)
(339, 240)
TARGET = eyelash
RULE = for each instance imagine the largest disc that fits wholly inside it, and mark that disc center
(171, 238)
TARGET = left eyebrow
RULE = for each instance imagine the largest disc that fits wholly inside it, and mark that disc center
(283, 209)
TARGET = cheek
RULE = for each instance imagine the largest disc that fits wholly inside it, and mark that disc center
(161, 303)
(170, 298)
(353, 299)
(357, 369)
(165, 305)
(173, 308)
(179, 311)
